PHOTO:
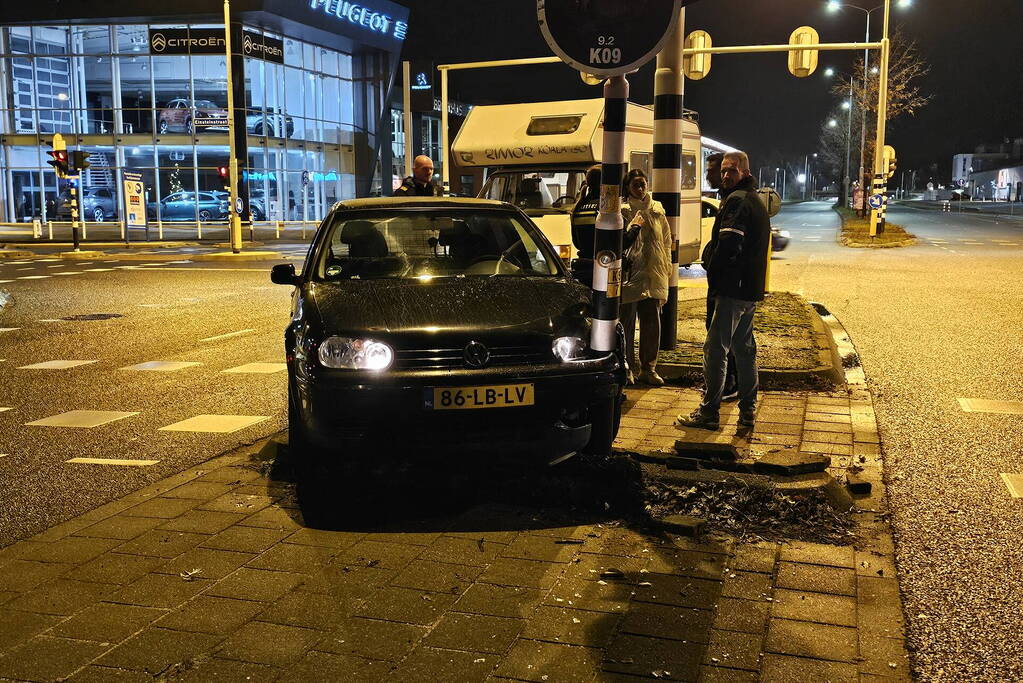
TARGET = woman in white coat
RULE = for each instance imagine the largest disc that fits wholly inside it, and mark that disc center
(648, 256)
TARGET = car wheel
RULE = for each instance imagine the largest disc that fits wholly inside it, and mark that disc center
(98, 215)
(605, 418)
(164, 128)
(258, 129)
(205, 216)
(188, 127)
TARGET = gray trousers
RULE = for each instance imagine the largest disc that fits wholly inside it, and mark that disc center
(731, 329)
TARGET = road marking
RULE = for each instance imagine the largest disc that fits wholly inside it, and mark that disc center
(34, 277)
(981, 405)
(59, 265)
(5, 409)
(1014, 482)
(98, 270)
(12, 263)
(258, 368)
(161, 366)
(3, 281)
(45, 260)
(56, 365)
(24, 268)
(9, 329)
(227, 335)
(113, 461)
(220, 424)
(80, 418)
(69, 272)
(244, 270)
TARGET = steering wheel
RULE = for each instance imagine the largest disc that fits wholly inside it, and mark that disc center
(556, 204)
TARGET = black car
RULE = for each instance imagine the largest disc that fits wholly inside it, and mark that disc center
(441, 324)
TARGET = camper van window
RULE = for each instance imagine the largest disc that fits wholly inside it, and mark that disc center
(536, 191)
(554, 125)
(688, 171)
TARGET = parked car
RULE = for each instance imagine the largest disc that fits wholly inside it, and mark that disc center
(181, 206)
(178, 116)
(274, 125)
(98, 204)
(709, 211)
(94, 204)
(442, 325)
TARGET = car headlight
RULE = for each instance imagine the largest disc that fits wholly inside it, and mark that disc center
(355, 354)
(568, 349)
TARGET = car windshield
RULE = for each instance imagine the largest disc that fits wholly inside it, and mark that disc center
(206, 104)
(425, 244)
(535, 190)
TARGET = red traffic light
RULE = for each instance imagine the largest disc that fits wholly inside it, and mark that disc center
(59, 161)
(222, 171)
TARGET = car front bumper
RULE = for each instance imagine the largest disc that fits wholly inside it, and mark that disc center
(357, 413)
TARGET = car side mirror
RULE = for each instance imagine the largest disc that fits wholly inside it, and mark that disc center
(284, 274)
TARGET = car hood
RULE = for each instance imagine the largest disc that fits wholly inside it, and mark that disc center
(460, 305)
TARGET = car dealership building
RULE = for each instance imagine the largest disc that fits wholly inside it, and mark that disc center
(145, 92)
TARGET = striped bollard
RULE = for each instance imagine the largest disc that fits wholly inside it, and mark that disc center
(607, 238)
(666, 180)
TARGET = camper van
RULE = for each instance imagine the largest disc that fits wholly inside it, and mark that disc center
(535, 156)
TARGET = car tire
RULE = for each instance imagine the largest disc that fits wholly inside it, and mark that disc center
(98, 215)
(163, 127)
(189, 128)
(205, 216)
(605, 419)
(258, 129)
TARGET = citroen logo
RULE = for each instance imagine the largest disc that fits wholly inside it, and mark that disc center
(476, 355)
(159, 42)
(247, 45)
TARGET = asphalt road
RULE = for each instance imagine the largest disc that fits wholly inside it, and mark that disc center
(935, 322)
(215, 316)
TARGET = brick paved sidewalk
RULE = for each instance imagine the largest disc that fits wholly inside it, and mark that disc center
(491, 593)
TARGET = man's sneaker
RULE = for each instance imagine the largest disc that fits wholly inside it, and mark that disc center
(730, 396)
(747, 418)
(699, 420)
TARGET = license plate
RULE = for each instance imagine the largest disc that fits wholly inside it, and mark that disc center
(467, 398)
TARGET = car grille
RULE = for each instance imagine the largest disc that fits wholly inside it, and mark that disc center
(500, 356)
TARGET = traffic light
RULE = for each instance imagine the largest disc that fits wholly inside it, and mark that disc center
(696, 67)
(59, 162)
(79, 161)
(224, 176)
(889, 161)
(802, 63)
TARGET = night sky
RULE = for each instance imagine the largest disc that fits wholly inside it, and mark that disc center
(974, 47)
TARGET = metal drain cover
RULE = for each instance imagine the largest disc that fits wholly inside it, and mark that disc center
(93, 316)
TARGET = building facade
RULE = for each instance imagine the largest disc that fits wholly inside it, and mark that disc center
(148, 95)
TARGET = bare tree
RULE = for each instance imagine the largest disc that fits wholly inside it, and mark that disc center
(906, 68)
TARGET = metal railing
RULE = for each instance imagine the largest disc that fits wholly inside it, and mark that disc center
(60, 231)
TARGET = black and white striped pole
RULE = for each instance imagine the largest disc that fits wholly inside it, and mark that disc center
(607, 238)
(608, 39)
(666, 183)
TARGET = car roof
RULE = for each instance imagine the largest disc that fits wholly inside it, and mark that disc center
(421, 202)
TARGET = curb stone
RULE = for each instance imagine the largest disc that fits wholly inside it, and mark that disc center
(828, 369)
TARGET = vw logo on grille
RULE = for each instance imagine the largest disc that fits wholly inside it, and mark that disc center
(159, 42)
(476, 355)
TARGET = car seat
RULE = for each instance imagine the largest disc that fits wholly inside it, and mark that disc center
(363, 240)
(529, 195)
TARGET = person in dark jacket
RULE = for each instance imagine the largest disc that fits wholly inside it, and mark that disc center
(731, 392)
(420, 183)
(584, 221)
(736, 263)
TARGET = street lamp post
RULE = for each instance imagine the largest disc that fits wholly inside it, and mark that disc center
(834, 6)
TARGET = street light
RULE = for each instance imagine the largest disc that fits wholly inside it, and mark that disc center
(846, 104)
(829, 72)
(835, 6)
(832, 123)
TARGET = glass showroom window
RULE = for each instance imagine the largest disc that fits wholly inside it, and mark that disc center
(136, 94)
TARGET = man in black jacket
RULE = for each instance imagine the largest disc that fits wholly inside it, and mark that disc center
(736, 267)
(420, 183)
